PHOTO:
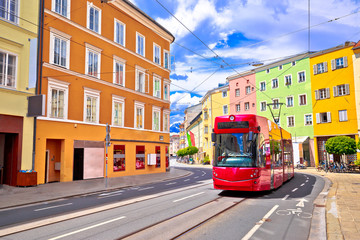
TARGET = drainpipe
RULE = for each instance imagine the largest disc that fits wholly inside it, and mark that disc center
(38, 70)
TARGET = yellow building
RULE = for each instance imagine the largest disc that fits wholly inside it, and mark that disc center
(214, 103)
(18, 51)
(333, 97)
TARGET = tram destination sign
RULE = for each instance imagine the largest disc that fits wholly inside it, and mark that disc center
(229, 125)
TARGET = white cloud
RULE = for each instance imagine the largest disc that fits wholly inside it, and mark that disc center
(180, 101)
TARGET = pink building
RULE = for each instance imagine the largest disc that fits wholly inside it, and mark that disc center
(242, 93)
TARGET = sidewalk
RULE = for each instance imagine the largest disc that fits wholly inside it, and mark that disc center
(17, 196)
(342, 204)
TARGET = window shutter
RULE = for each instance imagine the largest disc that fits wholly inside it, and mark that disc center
(318, 118)
(347, 88)
(345, 61)
(316, 94)
(325, 67)
(328, 116)
(345, 115)
(137, 79)
(333, 65)
(315, 69)
(327, 92)
(335, 91)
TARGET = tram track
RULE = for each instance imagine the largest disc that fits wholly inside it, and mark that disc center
(180, 224)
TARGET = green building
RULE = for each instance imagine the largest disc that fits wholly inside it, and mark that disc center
(286, 84)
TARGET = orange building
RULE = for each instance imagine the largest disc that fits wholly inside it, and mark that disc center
(104, 62)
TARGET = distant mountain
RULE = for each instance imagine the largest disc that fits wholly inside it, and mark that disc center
(174, 127)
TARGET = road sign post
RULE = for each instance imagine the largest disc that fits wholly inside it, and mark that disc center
(107, 144)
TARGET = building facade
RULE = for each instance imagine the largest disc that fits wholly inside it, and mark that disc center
(104, 63)
(356, 66)
(195, 131)
(242, 93)
(18, 56)
(174, 144)
(333, 96)
(287, 85)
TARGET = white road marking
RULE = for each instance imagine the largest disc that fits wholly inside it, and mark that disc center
(172, 183)
(113, 195)
(62, 205)
(87, 228)
(204, 173)
(302, 184)
(301, 202)
(285, 197)
(256, 227)
(178, 200)
(142, 189)
(186, 180)
(294, 189)
(196, 177)
(110, 193)
(306, 180)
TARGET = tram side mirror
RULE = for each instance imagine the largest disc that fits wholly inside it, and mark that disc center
(250, 136)
(213, 137)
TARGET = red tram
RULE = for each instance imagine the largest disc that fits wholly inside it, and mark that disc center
(251, 153)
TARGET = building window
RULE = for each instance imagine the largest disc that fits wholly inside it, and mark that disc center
(9, 10)
(343, 115)
(290, 101)
(94, 18)
(280, 67)
(275, 83)
(301, 76)
(268, 70)
(119, 32)
(140, 157)
(157, 54)
(166, 91)
(293, 63)
(276, 104)
(157, 87)
(248, 90)
(237, 107)
(263, 106)
(320, 68)
(237, 92)
(302, 99)
(61, 7)
(339, 63)
(140, 81)
(118, 111)
(166, 127)
(308, 119)
(93, 62)
(341, 90)
(323, 93)
(166, 59)
(156, 119)
(140, 44)
(247, 106)
(262, 86)
(288, 80)
(119, 158)
(291, 121)
(57, 99)
(224, 94)
(59, 50)
(158, 156)
(324, 117)
(206, 115)
(139, 115)
(119, 72)
(91, 106)
(225, 110)
(8, 65)
(206, 130)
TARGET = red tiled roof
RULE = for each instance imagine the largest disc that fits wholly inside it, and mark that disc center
(357, 46)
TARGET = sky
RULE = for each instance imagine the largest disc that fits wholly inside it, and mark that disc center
(227, 36)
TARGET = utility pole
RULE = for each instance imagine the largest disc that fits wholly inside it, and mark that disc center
(107, 144)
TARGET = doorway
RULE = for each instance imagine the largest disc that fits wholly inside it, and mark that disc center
(78, 170)
(8, 158)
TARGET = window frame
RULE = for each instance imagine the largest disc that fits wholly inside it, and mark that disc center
(156, 46)
(121, 36)
(137, 85)
(264, 83)
(166, 95)
(237, 92)
(166, 123)
(224, 94)
(156, 109)
(89, 6)
(261, 106)
(286, 78)
(139, 105)
(155, 79)
(8, 13)
(248, 106)
(225, 109)
(95, 94)
(288, 121)
(94, 50)
(54, 33)
(6, 74)
(122, 62)
(287, 101)
(119, 100)
(61, 86)
(237, 107)
(168, 59)
(143, 45)
(343, 117)
(277, 83)
(300, 95)
(299, 78)
(53, 8)
(247, 90)
(305, 121)
(278, 103)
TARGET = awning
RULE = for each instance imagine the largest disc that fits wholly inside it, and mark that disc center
(299, 139)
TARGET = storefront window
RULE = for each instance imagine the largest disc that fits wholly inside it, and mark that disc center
(167, 156)
(158, 156)
(140, 157)
(119, 158)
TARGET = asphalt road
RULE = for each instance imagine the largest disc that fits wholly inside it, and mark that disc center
(185, 208)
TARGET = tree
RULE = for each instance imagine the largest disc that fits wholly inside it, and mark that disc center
(191, 150)
(341, 145)
(181, 152)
